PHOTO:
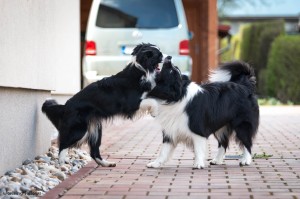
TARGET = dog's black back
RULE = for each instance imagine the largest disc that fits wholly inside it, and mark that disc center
(119, 94)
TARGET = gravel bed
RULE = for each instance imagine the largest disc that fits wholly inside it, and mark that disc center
(35, 177)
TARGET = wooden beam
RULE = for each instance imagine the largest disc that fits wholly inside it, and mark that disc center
(202, 21)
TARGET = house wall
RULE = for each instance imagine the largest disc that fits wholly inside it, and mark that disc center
(39, 53)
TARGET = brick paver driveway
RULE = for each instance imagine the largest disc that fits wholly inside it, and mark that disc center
(274, 173)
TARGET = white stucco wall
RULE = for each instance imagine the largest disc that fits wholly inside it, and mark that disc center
(67, 50)
(39, 53)
(24, 131)
(39, 44)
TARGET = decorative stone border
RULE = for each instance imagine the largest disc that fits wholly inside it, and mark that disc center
(38, 176)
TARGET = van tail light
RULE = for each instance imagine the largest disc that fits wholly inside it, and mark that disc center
(184, 47)
(90, 48)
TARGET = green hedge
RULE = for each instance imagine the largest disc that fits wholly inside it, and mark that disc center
(247, 44)
(283, 69)
(255, 45)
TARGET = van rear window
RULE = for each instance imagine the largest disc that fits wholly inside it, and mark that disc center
(137, 14)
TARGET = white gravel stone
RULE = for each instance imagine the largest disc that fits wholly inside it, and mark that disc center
(35, 177)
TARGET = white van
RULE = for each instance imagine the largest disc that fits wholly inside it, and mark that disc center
(115, 27)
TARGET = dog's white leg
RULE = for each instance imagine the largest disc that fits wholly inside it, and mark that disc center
(246, 158)
(219, 157)
(200, 151)
(105, 163)
(165, 153)
(63, 156)
(150, 105)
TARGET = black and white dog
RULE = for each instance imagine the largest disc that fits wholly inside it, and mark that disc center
(79, 120)
(189, 113)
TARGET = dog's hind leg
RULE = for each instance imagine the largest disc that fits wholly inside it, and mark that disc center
(218, 159)
(244, 134)
(63, 156)
(69, 138)
(223, 136)
(94, 141)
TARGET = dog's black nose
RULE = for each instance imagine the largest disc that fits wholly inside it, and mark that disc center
(168, 59)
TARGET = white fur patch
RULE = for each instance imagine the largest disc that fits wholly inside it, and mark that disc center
(105, 163)
(93, 130)
(199, 150)
(150, 77)
(62, 156)
(220, 133)
(174, 119)
(246, 158)
(165, 153)
(82, 140)
(149, 105)
(219, 76)
(219, 157)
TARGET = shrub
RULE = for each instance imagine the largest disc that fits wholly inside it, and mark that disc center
(255, 45)
(246, 43)
(283, 69)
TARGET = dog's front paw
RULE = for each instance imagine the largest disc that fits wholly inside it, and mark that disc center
(245, 161)
(154, 111)
(63, 160)
(198, 165)
(105, 163)
(154, 164)
(216, 162)
(63, 157)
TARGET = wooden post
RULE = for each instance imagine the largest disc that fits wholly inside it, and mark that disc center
(202, 21)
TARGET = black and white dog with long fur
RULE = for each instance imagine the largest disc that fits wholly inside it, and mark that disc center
(189, 113)
(80, 119)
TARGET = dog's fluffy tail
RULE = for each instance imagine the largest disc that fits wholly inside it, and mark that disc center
(237, 71)
(54, 112)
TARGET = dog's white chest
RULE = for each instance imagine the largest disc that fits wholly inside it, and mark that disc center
(174, 119)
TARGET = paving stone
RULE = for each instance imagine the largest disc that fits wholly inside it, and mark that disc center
(133, 144)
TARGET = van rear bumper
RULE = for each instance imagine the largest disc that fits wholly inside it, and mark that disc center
(95, 68)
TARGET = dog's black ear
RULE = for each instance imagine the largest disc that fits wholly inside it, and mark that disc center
(148, 53)
(137, 49)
